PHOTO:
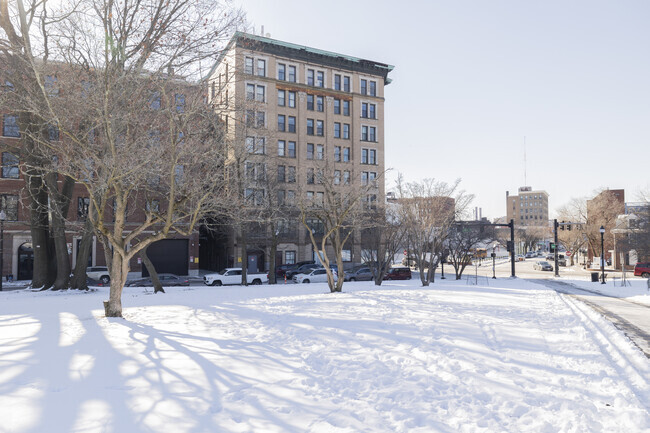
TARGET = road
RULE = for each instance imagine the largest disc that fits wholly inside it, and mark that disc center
(631, 318)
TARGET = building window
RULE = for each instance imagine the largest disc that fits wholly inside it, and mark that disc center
(337, 106)
(364, 178)
(292, 99)
(320, 79)
(10, 126)
(364, 87)
(346, 108)
(291, 149)
(337, 130)
(292, 124)
(310, 126)
(281, 97)
(310, 102)
(9, 204)
(282, 71)
(310, 176)
(337, 177)
(368, 133)
(261, 119)
(256, 145)
(310, 77)
(282, 173)
(320, 104)
(346, 177)
(372, 177)
(337, 82)
(261, 67)
(292, 74)
(52, 133)
(248, 65)
(10, 166)
(281, 122)
(373, 88)
(255, 93)
(369, 156)
(82, 207)
(290, 257)
(346, 154)
(320, 130)
(346, 131)
(179, 101)
(154, 101)
(282, 148)
(368, 111)
(346, 84)
(320, 151)
(291, 174)
(281, 194)
(51, 85)
(337, 153)
(310, 151)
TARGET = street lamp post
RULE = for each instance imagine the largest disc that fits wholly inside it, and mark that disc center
(494, 258)
(3, 217)
(602, 254)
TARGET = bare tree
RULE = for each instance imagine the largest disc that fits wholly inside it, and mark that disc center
(383, 240)
(428, 210)
(146, 142)
(464, 238)
(531, 235)
(339, 205)
(602, 211)
(573, 237)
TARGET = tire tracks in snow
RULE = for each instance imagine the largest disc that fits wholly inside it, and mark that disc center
(631, 366)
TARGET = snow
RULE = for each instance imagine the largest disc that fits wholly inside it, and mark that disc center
(510, 356)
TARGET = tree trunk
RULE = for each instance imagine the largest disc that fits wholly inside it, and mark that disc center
(274, 249)
(244, 256)
(39, 225)
(119, 272)
(62, 206)
(80, 278)
(157, 286)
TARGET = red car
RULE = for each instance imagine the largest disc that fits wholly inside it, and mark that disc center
(642, 270)
(398, 274)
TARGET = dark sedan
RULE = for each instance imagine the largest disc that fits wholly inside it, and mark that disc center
(167, 280)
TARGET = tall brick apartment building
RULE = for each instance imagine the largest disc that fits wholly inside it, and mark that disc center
(293, 106)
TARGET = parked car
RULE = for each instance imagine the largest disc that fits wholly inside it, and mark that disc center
(520, 258)
(99, 273)
(232, 276)
(401, 273)
(282, 269)
(642, 270)
(561, 260)
(167, 280)
(360, 274)
(543, 266)
(530, 254)
(306, 268)
(94, 283)
(318, 275)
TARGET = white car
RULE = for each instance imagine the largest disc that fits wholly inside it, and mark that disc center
(318, 275)
(233, 276)
(99, 273)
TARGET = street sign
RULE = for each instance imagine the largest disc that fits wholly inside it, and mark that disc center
(568, 253)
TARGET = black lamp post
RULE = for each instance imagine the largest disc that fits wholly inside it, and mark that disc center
(3, 217)
(494, 258)
(602, 254)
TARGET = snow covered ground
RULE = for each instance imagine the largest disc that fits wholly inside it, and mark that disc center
(511, 356)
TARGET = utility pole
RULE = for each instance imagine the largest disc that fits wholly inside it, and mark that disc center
(512, 242)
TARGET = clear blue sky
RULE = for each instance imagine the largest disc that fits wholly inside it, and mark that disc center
(473, 78)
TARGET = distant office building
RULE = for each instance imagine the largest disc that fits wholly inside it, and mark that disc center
(529, 208)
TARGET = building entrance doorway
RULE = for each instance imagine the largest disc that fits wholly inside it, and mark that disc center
(25, 261)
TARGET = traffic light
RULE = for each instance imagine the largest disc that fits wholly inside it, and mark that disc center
(562, 226)
(568, 227)
(552, 247)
